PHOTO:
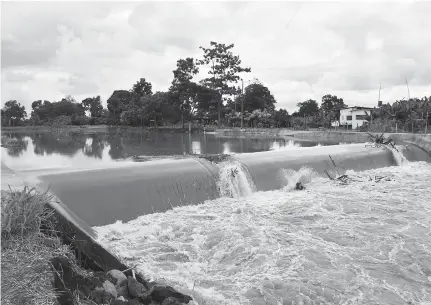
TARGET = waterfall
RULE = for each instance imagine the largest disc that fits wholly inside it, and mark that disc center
(398, 155)
(234, 180)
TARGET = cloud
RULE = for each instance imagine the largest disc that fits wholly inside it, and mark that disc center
(299, 50)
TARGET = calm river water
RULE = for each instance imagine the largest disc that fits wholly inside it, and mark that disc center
(53, 150)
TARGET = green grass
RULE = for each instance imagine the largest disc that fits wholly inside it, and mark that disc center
(26, 276)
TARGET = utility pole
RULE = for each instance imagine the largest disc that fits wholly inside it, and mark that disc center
(380, 88)
(410, 103)
(371, 111)
(242, 103)
(426, 124)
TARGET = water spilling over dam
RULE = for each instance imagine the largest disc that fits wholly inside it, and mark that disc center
(238, 232)
(365, 242)
(102, 196)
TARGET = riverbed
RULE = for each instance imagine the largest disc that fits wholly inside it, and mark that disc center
(367, 241)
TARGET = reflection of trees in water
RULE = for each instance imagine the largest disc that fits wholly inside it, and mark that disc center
(17, 146)
(63, 144)
(123, 145)
(68, 144)
(116, 149)
(96, 147)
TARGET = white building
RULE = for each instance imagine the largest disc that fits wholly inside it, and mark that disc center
(353, 117)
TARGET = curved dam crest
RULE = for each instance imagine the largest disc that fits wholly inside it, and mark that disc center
(103, 196)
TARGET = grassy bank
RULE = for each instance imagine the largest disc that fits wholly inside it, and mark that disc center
(26, 251)
(42, 264)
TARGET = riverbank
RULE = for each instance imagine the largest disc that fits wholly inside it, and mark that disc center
(51, 257)
(421, 140)
(91, 129)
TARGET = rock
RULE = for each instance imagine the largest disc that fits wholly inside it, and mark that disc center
(110, 288)
(100, 296)
(120, 301)
(122, 289)
(299, 186)
(117, 277)
(135, 288)
(160, 293)
(171, 301)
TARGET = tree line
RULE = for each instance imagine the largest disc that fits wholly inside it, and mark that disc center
(412, 115)
(217, 99)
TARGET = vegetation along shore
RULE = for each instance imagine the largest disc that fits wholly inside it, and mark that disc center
(219, 99)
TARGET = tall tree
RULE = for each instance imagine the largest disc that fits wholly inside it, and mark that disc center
(331, 102)
(257, 96)
(118, 102)
(330, 107)
(13, 112)
(94, 105)
(224, 68)
(183, 88)
(142, 87)
(308, 108)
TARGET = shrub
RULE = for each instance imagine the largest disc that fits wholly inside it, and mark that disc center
(81, 120)
(23, 211)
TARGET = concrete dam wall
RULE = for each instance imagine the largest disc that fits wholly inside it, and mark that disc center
(421, 140)
(102, 196)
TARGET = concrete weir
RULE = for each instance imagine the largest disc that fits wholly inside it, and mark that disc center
(102, 196)
(265, 167)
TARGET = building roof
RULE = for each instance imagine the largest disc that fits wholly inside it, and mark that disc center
(359, 108)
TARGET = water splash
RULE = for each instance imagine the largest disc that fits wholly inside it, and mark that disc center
(304, 175)
(362, 243)
(234, 180)
(398, 155)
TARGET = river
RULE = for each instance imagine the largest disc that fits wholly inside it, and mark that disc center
(364, 242)
(38, 150)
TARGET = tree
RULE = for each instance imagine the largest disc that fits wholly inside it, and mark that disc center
(257, 96)
(281, 118)
(36, 105)
(117, 102)
(68, 107)
(224, 67)
(13, 112)
(94, 105)
(183, 89)
(332, 102)
(142, 87)
(308, 108)
(330, 107)
(42, 111)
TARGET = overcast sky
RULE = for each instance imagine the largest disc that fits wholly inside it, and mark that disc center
(299, 50)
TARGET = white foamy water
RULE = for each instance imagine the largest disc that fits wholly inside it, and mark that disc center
(234, 180)
(368, 242)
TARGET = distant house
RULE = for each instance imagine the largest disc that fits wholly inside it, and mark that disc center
(353, 117)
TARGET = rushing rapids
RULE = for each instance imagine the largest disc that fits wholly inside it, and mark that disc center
(364, 242)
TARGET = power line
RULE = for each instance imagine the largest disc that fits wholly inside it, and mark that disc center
(294, 15)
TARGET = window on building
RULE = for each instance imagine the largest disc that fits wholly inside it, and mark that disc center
(349, 118)
(361, 117)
